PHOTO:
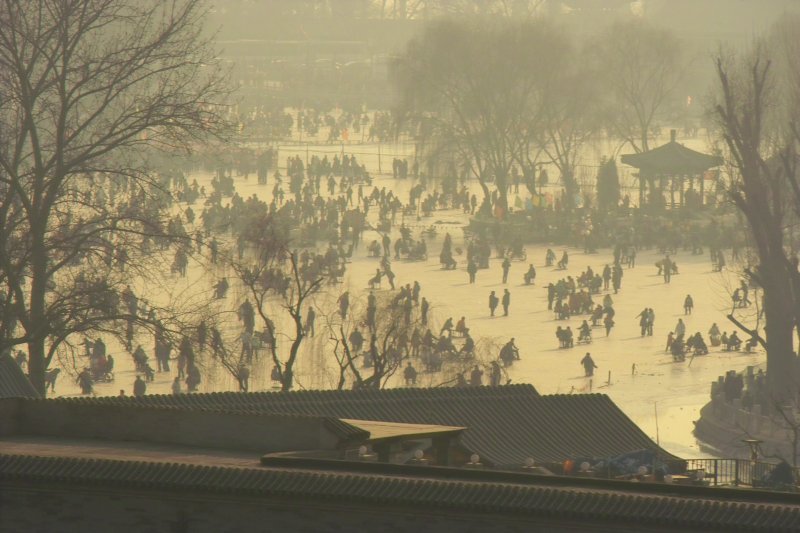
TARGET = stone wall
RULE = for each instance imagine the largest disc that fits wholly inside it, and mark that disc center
(9, 414)
(211, 429)
(724, 423)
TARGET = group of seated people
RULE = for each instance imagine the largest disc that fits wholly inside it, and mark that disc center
(411, 249)
(460, 329)
(695, 344)
(585, 333)
(577, 303)
(101, 364)
(590, 280)
(562, 310)
(565, 337)
(734, 343)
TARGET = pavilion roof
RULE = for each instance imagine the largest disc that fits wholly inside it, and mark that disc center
(672, 159)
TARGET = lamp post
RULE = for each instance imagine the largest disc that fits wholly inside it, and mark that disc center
(754, 447)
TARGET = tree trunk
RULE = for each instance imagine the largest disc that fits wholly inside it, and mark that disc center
(37, 326)
(288, 379)
(779, 330)
(570, 189)
(288, 374)
(36, 364)
(501, 181)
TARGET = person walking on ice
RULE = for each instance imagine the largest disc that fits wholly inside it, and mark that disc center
(588, 365)
(506, 267)
(472, 269)
(506, 302)
(493, 301)
(680, 328)
(688, 305)
(608, 322)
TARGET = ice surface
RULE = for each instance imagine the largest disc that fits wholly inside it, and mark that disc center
(676, 391)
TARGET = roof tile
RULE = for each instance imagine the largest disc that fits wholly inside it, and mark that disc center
(506, 425)
(528, 496)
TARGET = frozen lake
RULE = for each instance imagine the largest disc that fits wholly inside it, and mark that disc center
(675, 391)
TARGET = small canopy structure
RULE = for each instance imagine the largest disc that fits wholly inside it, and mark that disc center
(673, 162)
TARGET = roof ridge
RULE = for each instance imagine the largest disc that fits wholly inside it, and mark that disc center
(247, 410)
(694, 507)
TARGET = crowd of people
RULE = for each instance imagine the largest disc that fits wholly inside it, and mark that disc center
(326, 206)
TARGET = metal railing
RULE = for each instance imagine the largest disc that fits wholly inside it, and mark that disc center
(734, 471)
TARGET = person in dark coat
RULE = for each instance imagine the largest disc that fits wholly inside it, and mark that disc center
(476, 377)
(506, 268)
(410, 375)
(139, 387)
(310, 318)
(588, 365)
(472, 270)
(192, 378)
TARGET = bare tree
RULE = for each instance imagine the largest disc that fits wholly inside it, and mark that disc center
(639, 67)
(570, 118)
(766, 191)
(86, 86)
(277, 281)
(430, 9)
(388, 346)
(477, 93)
(386, 343)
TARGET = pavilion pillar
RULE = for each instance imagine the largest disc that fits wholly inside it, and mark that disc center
(672, 192)
(702, 190)
(681, 195)
(641, 189)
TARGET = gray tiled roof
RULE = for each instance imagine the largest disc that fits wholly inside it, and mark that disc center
(506, 425)
(13, 381)
(512, 495)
